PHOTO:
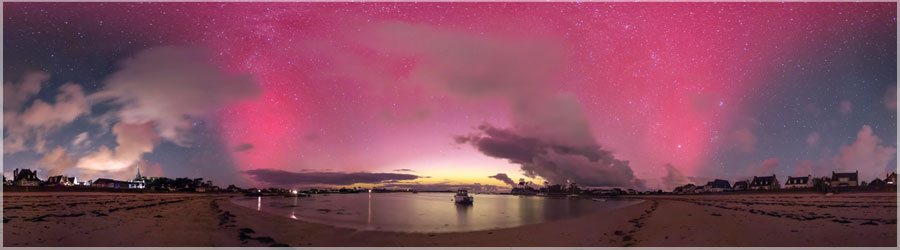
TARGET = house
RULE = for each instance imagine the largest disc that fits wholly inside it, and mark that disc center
(741, 185)
(689, 188)
(845, 179)
(877, 182)
(717, 185)
(60, 180)
(105, 183)
(26, 178)
(799, 182)
(764, 183)
(109, 183)
(891, 179)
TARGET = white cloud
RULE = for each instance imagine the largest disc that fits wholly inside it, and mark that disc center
(173, 87)
(81, 140)
(865, 155)
(133, 141)
(36, 122)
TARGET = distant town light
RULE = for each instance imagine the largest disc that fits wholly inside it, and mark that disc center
(294, 191)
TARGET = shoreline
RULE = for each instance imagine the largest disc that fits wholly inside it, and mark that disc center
(74, 219)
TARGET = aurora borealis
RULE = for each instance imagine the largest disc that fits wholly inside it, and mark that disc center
(647, 95)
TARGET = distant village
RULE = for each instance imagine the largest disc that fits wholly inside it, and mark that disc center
(837, 181)
(25, 178)
(29, 178)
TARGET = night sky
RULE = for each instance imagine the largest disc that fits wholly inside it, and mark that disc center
(637, 95)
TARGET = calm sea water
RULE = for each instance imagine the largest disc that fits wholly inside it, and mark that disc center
(426, 212)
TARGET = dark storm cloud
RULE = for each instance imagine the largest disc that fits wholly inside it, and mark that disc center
(586, 165)
(281, 177)
(243, 147)
(503, 177)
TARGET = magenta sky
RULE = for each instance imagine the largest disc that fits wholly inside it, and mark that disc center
(714, 89)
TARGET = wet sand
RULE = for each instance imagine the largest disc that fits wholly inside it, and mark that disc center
(106, 219)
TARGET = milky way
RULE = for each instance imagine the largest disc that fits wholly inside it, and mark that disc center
(709, 89)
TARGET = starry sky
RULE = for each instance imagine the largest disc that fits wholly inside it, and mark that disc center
(637, 95)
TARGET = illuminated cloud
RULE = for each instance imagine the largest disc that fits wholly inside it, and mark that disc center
(30, 128)
(56, 161)
(133, 141)
(767, 167)
(173, 87)
(865, 155)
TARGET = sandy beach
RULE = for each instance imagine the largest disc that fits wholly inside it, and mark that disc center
(107, 219)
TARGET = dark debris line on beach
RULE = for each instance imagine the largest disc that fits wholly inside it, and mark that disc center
(226, 220)
(638, 222)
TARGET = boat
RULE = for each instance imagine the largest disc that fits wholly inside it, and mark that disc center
(462, 197)
(597, 199)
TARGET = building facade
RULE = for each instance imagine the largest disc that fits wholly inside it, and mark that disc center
(799, 182)
(845, 179)
(764, 183)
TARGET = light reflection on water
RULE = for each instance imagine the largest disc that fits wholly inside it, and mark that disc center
(427, 212)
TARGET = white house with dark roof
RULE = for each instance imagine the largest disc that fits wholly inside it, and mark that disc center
(799, 182)
(845, 179)
(764, 183)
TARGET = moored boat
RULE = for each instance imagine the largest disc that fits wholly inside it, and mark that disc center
(462, 197)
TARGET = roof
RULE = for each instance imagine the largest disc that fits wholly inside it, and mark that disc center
(798, 180)
(718, 184)
(852, 176)
(763, 180)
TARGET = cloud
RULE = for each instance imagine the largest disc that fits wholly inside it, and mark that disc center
(674, 178)
(281, 177)
(35, 123)
(845, 107)
(243, 147)
(812, 139)
(81, 140)
(173, 87)
(475, 187)
(559, 143)
(808, 167)
(890, 99)
(56, 161)
(404, 170)
(766, 168)
(133, 141)
(16, 94)
(744, 139)
(865, 155)
(504, 178)
(558, 163)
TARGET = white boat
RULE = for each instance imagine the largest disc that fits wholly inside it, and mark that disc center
(597, 199)
(462, 197)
